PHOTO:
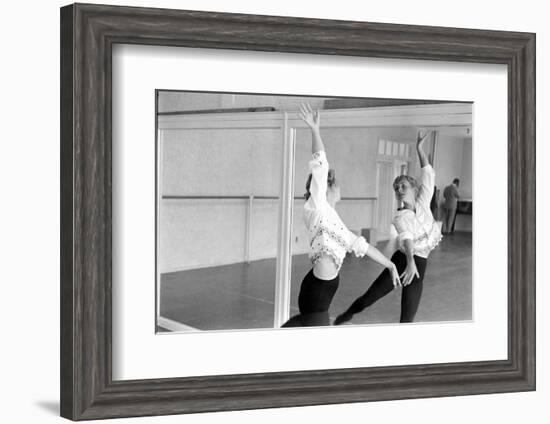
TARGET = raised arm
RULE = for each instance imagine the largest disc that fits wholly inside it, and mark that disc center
(427, 174)
(318, 166)
(420, 139)
(313, 121)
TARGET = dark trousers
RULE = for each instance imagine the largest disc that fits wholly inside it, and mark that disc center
(314, 301)
(449, 219)
(410, 296)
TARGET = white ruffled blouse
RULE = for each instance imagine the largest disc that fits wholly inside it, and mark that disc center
(328, 235)
(419, 225)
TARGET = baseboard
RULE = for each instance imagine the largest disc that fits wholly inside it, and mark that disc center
(175, 326)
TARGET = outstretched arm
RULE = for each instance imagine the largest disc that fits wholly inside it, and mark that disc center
(377, 256)
(410, 271)
(313, 121)
(360, 247)
(420, 139)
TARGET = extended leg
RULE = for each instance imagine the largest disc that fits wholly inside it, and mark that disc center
(410, 297)
(378, 289)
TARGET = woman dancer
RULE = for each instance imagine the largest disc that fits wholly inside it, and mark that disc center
(416, 233)
(329, 238)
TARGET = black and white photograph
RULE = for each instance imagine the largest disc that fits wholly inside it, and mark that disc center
(281, 211)
(254, 212)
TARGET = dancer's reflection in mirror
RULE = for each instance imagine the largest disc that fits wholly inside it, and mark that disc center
(329, 238)
(415, 234)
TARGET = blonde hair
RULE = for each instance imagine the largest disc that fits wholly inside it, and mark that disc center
(413, 183)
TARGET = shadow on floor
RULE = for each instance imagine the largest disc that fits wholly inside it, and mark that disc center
(50, 406)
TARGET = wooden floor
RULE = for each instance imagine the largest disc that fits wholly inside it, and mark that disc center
(241, 296)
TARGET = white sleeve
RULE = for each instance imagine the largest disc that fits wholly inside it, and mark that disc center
(359, 246)
(404, 225)
(427, 184)
(393, 232)
(318, 166)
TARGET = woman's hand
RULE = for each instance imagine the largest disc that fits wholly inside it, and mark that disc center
(421, 138)
(377, 256)
(394, 275)
(410, 272)
(312, 119)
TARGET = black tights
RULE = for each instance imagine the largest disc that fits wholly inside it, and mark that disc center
(410, 296)
(313, 301)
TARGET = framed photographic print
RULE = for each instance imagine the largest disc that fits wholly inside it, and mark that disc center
(264, 212)
(223, 221)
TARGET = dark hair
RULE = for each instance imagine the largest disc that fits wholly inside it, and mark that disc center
(331, 181)
(456, 181)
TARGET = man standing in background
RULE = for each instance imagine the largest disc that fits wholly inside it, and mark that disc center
(449, 207)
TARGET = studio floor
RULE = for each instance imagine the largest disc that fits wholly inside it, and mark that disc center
(241, 296)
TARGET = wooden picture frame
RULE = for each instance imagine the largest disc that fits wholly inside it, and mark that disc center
(88, 33)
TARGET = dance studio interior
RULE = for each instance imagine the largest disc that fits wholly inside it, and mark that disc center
(232, 248)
